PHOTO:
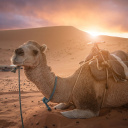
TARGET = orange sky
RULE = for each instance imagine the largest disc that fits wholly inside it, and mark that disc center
(101, 16)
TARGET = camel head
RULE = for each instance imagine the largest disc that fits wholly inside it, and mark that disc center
(29, 54)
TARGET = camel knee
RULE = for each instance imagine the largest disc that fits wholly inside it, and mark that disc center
(62, 106)
(78, 113)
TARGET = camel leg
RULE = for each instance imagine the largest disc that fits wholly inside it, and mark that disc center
(79, 113)
(62, 106)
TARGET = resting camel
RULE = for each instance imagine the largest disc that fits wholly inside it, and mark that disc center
(86, 94)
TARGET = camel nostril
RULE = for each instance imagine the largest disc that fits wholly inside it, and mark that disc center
(19, 51)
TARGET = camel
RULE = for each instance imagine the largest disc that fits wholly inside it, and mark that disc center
(85, 95)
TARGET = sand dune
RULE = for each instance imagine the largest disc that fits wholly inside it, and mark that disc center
(67, 46)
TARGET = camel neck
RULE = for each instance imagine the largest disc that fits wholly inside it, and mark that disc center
(42, 77)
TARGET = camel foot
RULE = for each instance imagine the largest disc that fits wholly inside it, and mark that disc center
(62, 106)
(78, 113)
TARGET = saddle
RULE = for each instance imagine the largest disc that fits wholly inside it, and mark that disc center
(114, 64)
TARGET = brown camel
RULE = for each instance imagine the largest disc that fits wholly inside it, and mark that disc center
(86, 94)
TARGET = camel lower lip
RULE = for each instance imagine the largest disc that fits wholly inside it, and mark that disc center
(16, 63)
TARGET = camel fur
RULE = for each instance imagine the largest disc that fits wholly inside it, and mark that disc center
(87, 93)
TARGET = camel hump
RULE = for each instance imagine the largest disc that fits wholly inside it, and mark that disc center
(122, 55)
(118, 61)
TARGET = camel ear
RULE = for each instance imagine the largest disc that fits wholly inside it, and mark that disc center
(43, 48)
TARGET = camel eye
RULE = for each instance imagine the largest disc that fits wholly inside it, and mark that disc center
(35, 52)
(19, 51)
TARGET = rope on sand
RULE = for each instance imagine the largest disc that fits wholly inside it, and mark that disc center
(14, 70)
(20, 97)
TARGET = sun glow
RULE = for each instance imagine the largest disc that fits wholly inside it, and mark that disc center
(93, 33)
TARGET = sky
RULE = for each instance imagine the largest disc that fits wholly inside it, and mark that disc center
(108, 17)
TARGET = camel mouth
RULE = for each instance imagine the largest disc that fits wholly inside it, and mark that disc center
(15, 62)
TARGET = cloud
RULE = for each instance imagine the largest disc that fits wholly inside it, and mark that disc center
(11, 21)
(110, 15)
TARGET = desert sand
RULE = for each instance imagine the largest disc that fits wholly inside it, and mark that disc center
(67, 46)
